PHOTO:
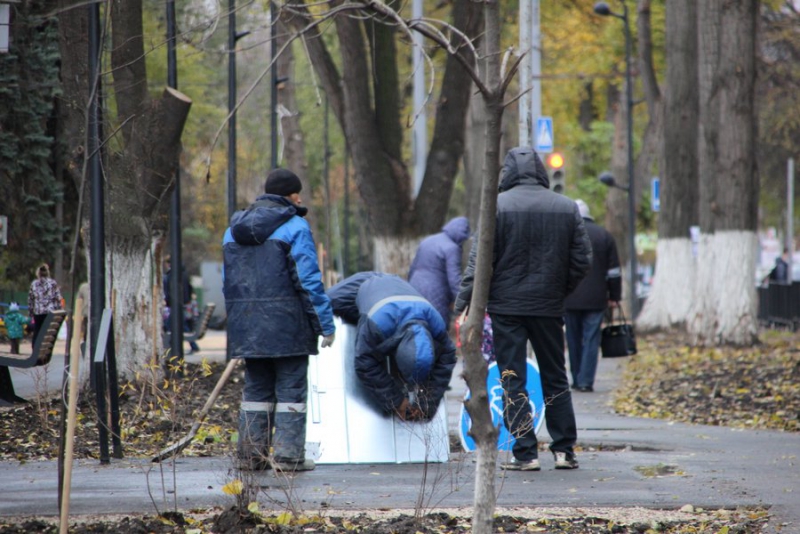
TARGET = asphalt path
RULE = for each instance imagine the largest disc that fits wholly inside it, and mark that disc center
(625, 462)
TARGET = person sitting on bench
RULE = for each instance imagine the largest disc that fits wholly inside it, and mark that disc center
(396, 325)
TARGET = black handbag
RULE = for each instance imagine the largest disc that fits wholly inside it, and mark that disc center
(617, 337)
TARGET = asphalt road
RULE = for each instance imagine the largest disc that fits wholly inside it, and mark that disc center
(625, 462)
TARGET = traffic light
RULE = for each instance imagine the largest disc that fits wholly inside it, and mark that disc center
(557, 179)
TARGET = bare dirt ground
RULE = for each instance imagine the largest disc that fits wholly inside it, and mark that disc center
(755, 387)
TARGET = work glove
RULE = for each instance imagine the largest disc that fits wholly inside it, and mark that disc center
(327, 341)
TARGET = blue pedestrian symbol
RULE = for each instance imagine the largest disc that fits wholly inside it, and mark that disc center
(655, 194)
(543, 135)
(495, 389)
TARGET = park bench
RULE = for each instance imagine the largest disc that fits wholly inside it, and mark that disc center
(200, 326)
(41, 354)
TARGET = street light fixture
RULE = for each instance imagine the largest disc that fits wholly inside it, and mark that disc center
(608, 179)
(602, 8)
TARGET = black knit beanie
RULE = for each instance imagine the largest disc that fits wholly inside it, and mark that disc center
(282, 182)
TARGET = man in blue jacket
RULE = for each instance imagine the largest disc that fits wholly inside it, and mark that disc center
(403, 354)
(277, 309)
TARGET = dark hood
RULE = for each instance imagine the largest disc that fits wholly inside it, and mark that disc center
(523, 166)
(457, 229)
(254, 225)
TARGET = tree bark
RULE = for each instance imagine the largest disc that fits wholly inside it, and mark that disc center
(616, 199)
(651, 152)
(475, 371)
(670, 299)
(140, 173)
(447, 145)
(371, 125)
(475, 153)
(294, 151)
(473, 159)
(726, 308)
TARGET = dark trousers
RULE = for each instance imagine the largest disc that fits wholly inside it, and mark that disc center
(273, 412)
(38, 322)
(546, 335)
(14, 345)
(583, 342)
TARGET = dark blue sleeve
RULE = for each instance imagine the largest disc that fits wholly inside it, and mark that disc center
(440, 376)
(371, 369)
(343, 296)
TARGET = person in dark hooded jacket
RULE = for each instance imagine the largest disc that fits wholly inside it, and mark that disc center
(541, 253)
(276, 310)
(399, 327)
(436, 269)
(587, 305)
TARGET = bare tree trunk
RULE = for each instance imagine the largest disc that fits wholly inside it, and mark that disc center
(616, 199)
(294, 146)
(140, 175)
(447, 145)
(475, 372)
(473, 159)
(475, 150)
(369, 116)
(652, 149)
(701, 314)
(726, 297)
(670, 300)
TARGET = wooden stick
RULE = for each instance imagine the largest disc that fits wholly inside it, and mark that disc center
(74, 360)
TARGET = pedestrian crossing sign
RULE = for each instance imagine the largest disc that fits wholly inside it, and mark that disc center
(544, 135)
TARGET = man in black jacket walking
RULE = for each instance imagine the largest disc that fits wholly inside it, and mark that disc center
(587, 304)
(541, 253)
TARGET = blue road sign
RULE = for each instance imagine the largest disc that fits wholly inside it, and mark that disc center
(655, 194)
(544, 135)
(495, 389)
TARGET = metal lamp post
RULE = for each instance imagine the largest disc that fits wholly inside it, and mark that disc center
(176, 272)
(601, 8)
(233, 37)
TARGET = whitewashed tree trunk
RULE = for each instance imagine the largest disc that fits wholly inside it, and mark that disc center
(670, 300)
(137, 328)
(726, 309)
(394, 254)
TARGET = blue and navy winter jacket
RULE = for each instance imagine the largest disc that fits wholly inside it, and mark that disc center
(399, 327)
(274, 297)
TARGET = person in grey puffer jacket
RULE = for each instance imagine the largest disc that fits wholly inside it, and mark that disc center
(436, 269)
(541, 253)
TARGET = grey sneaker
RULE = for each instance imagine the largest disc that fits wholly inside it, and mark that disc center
(565, 460)
(522, 465)
(288, 465)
